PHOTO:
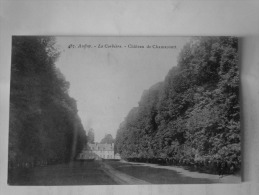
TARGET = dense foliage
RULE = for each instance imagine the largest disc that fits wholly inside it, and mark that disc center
(44, 124)
(90, 136)
(108, 139)
(192, 118)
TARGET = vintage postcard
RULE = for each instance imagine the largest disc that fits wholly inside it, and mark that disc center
(124, 110)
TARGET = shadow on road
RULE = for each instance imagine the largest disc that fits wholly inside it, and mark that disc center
(75, 173)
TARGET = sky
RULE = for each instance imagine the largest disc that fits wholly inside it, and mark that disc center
(107, 82)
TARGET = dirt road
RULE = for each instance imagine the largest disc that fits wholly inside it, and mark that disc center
(104, 173)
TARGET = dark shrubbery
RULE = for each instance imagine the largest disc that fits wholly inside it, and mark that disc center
(192, 118)
(44, 125)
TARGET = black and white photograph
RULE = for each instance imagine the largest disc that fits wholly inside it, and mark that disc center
(124, 110)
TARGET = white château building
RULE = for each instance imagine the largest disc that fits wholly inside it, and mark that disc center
(97, 151)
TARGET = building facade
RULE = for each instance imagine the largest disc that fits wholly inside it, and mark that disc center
(97, 151)
(117, 156)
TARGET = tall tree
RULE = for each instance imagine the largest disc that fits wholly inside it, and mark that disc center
(90, 137)
(192, 118)
(44, 124)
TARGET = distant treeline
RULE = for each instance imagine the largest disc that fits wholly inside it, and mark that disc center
(44, 125)
(192, 117)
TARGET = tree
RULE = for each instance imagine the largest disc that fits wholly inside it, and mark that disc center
(108, 139)
(90, 137)
(44, 124)
(192, 118)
